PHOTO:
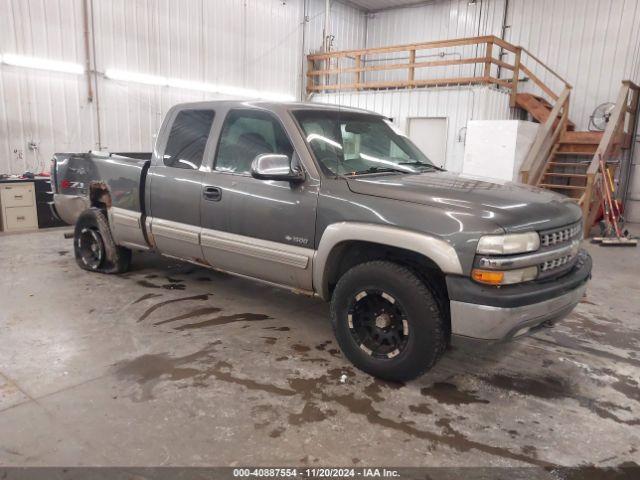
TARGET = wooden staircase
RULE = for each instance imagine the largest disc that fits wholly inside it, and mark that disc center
(566, 170)
(570, 155)
(568, 161)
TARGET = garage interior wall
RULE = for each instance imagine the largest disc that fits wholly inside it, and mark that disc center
(260, 44)
(255, 44)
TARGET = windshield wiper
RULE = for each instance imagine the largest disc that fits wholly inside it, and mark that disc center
(380, 170)
(415, 163)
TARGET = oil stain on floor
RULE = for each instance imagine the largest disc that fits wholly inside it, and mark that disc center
(319, 398)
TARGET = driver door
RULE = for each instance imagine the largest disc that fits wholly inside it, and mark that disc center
(260, 228)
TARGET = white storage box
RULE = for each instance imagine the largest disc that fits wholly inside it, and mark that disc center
(497, 148)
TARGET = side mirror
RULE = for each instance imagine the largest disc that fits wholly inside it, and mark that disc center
(273, 166)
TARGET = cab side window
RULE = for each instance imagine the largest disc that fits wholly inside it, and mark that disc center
(188, 138)
(247, 134)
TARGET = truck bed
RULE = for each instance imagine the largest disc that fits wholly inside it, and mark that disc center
(75, 177)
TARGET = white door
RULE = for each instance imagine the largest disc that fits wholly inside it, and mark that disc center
(430, 135)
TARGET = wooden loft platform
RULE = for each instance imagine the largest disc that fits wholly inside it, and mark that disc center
(560, 159)
(351, 70)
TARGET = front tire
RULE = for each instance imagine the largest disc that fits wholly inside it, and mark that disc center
(387, 321)
(94, 247)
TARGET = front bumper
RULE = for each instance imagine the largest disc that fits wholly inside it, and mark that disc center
(490, 313)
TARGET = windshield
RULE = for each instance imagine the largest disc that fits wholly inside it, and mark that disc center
(355, 144)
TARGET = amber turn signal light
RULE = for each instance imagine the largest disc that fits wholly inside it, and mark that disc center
(487, 276)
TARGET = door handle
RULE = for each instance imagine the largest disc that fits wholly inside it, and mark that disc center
(213, 194)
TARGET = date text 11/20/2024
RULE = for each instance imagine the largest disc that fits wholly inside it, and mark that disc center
(315, 472)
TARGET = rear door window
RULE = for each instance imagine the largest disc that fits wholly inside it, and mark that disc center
(188, 139)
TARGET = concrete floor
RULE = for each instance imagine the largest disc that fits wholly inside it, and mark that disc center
(172, 364)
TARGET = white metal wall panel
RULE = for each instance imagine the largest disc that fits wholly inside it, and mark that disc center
(591, 43)
(256, 44)
(37, 106)
(440, 20)
(251, 44)
(348, 25)
(457, 105)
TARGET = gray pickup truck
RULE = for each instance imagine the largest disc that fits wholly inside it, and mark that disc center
(337, 203)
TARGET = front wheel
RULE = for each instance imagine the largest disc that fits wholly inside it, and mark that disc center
(94, 247)
(387, 321)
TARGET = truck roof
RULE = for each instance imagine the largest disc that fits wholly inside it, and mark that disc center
(272, 106)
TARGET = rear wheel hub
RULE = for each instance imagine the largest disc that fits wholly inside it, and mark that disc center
(91, 247)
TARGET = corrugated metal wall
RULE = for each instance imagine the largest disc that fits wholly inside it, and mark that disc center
(458, 105)
(591, 43)
(348, 25)
(48, 108)
(254, 44)
(439, 20)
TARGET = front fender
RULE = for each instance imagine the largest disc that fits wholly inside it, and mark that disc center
(437, 250)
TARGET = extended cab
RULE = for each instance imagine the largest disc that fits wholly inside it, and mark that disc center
(338, 203)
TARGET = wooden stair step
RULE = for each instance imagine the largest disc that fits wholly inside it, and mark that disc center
(537, 107)
(566, 175)
(561, 187)
(588, 138)
(576, 152)
(570, 164)
(577, 149)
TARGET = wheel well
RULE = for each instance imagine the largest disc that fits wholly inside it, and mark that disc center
(99, 195)
(347, 255)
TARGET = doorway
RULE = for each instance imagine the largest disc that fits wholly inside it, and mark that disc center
(430, 135)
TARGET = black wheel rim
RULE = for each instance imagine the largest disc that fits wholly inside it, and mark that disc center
(90, 247)
(378, 324)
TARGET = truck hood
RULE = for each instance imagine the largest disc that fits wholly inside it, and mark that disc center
(512, 206)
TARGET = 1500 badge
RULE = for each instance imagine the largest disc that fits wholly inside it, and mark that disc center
(298, 240)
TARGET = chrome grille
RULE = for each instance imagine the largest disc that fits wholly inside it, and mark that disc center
(559, 238)
(555, 263)
(561, 235)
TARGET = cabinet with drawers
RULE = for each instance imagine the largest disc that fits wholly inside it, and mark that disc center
(18, 206)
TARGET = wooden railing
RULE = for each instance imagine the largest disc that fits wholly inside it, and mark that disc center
(616, 141)
(353, 69)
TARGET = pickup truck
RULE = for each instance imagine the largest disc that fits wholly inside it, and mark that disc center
(337, 203)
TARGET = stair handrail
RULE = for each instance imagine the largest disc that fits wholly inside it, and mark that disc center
(613, 133)
(548, 134)
(546, 67)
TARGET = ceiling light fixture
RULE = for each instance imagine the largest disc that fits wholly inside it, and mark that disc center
(41, 64)
(125, 76)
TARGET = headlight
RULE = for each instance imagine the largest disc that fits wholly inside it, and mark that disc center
(504, 277)
(509, 244)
